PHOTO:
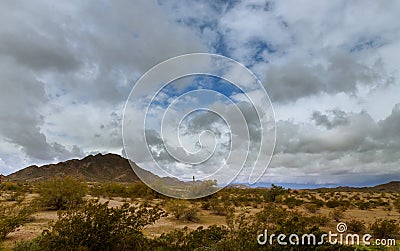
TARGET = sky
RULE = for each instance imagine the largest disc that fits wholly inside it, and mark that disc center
(330, 68)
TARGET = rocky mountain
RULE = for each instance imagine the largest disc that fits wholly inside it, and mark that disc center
(93, 168)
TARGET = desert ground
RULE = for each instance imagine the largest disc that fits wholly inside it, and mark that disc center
(327, 207)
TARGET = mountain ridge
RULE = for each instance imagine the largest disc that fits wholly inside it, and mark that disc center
(93, 168)
(115, 168)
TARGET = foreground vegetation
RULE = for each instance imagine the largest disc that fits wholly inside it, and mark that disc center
(86, 220)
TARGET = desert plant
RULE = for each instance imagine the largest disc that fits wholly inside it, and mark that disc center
(384, 228)
(198, 239)
(190, 214)
(62, 193)
(275, 191)
(397, 204)
(182, 210)
(356, 226)
(333, 203)
(292, 202)
(336, 214)
(311, 208)
(140, 190)
(13, 216)
(220, 208)
(177, 208)
(364, 205)
(96, 226)
(203, 187)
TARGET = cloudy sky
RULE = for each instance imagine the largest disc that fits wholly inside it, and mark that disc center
(331, 69)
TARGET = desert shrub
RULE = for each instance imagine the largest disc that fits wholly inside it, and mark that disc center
(62, 193)
(385, 228)
(318, 203)
(333, 203)
(244, 228)
(203, 187)
(199, 239)
(141, 190)
(12, 191)
(10, 186)
(364, 205)
(96, 226)
(292, 202)
(17, 196)
(275, 191)
(182, 210)
(177, 208)
(337, 214)
(205, 205)
(220, 208)
(356, 226)
(381, 203)
(190, 214)
(311, 208)
(318, 220)
(397, 204)
(29, 245)
(113, 189)
(13, 216)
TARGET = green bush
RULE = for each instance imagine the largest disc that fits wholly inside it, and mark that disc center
(177, 207)
(113, 189)
(311, 208)
(337, 214)
(200, 239)
(182, 210)
(333, 203)
(96, 226)
(364, 205)
(141, 190)
(13, 216)
(11, 191)
(397, 204)
(385, 228)
(292, 202)
(62, 193)
(356, 226)
(275, 191)
(204, 187)
(10, 186)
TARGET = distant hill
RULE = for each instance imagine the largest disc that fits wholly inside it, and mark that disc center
(393, 186)
(93, 168)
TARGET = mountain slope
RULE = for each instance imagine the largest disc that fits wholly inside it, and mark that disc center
(93, 168)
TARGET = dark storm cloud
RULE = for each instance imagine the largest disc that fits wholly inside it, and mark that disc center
(21, 100)
(344, 133)
(38, 52)
(298, 78)
(390, 126)
(333, 119)
(67, 57)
